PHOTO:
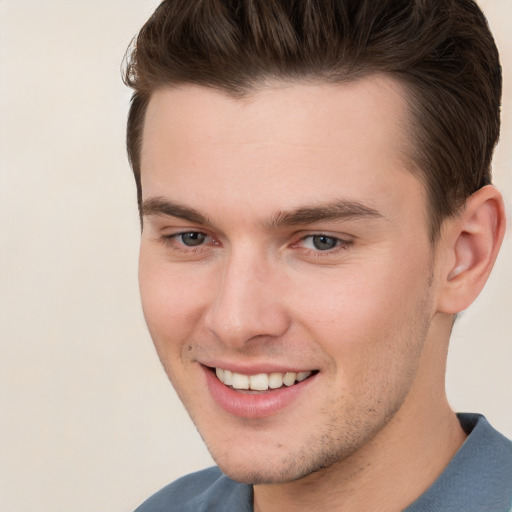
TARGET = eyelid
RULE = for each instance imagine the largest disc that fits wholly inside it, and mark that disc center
(336, 239)
(343, 243)
(341, 237)
(172, 239)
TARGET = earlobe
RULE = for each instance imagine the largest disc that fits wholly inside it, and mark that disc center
(470, 249)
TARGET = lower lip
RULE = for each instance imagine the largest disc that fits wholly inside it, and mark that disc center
(253, 405)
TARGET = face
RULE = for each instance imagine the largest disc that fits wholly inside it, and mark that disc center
(286, 269)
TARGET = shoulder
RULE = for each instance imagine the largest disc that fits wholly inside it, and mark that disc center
(478, 478)
(207, 490)
(485, 448)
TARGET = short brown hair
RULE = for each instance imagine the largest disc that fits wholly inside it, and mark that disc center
(442, 51)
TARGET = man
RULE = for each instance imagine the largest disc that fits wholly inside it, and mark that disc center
(316, 205)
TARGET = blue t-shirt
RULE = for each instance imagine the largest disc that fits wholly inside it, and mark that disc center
(477, 479)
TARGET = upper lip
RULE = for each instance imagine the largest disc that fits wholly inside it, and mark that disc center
(255, 369)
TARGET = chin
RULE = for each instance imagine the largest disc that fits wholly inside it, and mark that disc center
(290, 467)
(261, 476)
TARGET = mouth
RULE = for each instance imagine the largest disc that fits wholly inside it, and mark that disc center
(261, 381)
(257, 394)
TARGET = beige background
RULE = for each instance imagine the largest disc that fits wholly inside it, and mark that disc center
(88, 420)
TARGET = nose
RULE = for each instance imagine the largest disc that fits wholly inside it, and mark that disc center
(248, 302)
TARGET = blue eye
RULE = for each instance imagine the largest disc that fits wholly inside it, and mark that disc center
(324, 243)
(321, 242)
(192, 239)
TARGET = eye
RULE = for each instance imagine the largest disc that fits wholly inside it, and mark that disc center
(192, 238)
(188, 244)
(321, 242)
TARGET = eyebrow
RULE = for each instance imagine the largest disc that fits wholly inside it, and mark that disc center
(331, 211)
(336, 210)
(161, 206)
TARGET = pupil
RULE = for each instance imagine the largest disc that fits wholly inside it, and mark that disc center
(193, 238)
(323, 242)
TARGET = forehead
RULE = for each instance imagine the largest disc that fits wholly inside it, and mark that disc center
(291, 144)
(302, 113)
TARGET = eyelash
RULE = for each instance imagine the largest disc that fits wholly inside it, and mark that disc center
(171, 241)
(340, 243)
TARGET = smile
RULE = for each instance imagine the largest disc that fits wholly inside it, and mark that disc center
(260, 381)
(256, 393)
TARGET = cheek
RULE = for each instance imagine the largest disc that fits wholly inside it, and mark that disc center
(365, 318)
(172, 301)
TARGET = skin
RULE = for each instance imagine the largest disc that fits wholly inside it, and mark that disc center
(372, 315)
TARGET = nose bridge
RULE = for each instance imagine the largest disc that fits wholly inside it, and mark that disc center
(247, 303)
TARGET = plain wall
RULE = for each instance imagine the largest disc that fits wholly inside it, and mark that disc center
(89, 421)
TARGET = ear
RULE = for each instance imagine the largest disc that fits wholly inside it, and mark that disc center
(470, 245)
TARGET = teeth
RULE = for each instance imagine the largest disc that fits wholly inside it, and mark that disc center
(289, 379)
(302, 376)
(228, 378)
(261, 381)
(275, 380)
(240, 381)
